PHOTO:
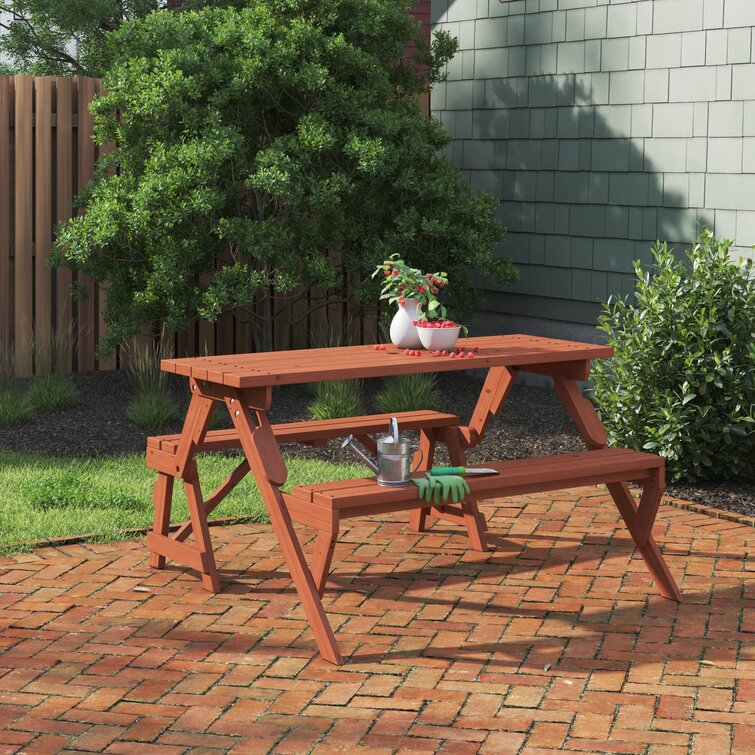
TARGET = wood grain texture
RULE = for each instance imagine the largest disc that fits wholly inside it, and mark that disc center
(66, 91)
(86, 331)
(43, 211)
(348, 362)
(7, 106)
(23, 262)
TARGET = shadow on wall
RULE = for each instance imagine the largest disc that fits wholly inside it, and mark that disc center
(582, 194)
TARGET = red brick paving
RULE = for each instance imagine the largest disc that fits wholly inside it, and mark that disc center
(554, 640)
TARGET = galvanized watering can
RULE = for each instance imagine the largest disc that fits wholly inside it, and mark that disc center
(394, 457)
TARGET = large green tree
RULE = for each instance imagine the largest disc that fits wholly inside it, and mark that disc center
(63, 37)
(271, 137)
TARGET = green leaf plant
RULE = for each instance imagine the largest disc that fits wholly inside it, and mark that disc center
(682, 381)
(266, 151)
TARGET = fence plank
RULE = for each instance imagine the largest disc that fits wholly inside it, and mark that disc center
(65, 91)
(109, 362)
(6, 109)
(87, 321)
(23, 261)
(42, 211)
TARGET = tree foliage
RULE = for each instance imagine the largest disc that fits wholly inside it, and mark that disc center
(63, 37)
(273, 137)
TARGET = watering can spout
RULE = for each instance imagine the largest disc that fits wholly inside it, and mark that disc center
(349, 443)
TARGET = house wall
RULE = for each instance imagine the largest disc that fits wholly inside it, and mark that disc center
(601, 126)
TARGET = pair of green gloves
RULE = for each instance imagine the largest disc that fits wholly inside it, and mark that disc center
(437, 488)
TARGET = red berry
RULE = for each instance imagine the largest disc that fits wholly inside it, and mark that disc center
(375, 347)
(407, 352)
(395, 273)
(437, 352)
(401, 300)
(417, 353)
(469, 354)
(453, 353)
(445, 353)
(386, 272)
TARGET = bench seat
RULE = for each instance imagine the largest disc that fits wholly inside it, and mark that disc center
(324, 505)
(314, 431)
(363, 496)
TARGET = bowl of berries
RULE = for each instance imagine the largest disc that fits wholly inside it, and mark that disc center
(438, 334)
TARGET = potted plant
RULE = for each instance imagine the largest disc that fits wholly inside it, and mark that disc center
(415, 293)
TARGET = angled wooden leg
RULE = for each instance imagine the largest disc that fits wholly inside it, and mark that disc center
(323, 557)
(639, 521)
(198, 515)
(474, 520)
(162, 497)
(418, 517)
(269, 470)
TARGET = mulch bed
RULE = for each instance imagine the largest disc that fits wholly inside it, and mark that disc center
(532, 423)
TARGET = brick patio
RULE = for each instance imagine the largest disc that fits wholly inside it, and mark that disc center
(553, 640)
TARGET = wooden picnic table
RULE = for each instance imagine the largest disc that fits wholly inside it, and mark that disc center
(244, 384)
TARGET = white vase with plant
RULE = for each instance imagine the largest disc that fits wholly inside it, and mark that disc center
(416, 294)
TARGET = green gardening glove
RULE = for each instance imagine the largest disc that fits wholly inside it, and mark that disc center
(453, 486)
(437, 488)
(428, 486)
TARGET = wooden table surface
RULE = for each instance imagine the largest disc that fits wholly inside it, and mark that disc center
(344, 362)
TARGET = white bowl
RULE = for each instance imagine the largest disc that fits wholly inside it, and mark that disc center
(442, 339)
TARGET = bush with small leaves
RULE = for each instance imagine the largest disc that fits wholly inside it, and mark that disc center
(682, 381)
(407, 393)
(336, 398)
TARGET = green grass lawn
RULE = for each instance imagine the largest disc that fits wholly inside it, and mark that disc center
(48, 497)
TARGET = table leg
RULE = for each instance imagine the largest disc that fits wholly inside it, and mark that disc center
(323, 557)
(159, 543)
(265, 461)
(162, 498)
(639, 520)
(198, 515)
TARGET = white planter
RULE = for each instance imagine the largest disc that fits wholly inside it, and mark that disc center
(439, 338)
(403, 332)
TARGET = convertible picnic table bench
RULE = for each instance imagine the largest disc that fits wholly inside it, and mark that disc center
(244, 384)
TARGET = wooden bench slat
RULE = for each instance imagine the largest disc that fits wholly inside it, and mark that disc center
(515, 477)
(308, 431)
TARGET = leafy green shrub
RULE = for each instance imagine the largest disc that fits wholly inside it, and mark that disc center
(406, 393)
(14, 408)
(336, 398)
(263, 132)
(682, 381)
(152, 410)
(52, 393)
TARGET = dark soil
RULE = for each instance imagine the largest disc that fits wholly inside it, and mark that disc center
(532, 423)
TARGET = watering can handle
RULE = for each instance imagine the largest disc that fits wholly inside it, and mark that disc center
(419, 461)
(394, 429)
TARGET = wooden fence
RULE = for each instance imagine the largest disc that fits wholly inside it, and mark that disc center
(46, 156)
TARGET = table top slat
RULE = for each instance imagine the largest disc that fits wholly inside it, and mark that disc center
(352, 362)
